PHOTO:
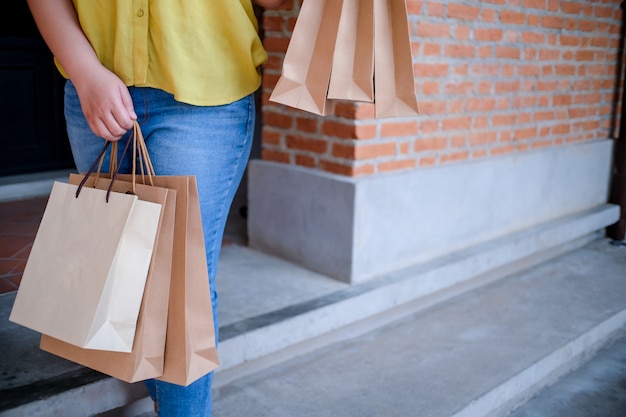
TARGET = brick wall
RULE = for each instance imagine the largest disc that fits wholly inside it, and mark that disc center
(493, 77)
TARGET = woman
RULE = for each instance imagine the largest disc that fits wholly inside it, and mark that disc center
(186, 71)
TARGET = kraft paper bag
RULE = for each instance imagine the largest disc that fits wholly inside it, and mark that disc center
(148, 354)
(394, 79)
(352, 75)
(306, 69)
(190, 347)
(86, 273)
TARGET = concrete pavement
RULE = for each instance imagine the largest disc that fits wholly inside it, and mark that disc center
(480, 354)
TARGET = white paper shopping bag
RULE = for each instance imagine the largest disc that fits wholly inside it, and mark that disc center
(85, 276)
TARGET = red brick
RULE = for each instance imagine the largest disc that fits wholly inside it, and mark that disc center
(429, 126)
(508, 52)
(532, 37)
(552, 22)
(502, 150)
(584, 55)
(571, 7)
(565, 69)
(460, 70)
(561, 129)
(276, 44)
(339, 130)
(547, 85)
(275, 156)
(504, 119)
(454, 157)
(542, 116)
(375, 150)
(460, 51)
(525, 101)
(308, 125)
(485, 87)
(343, 150)
(513, 18)
(364, 111)
(535, 4)
(603, 12)
(414, 7)
(534, 20)
(436, 9)
(456, 106)
(337, 168)
(587, 25)
(482, 138)
(507, 87)
(600, 41)
(503, 103)
(480, 104)
(562, 100)
(568, 40)
(431, 49)
(430, 87)
(493, 35)
(271, 23)
(479, 153)
(461, 11)
(549, 54)
(541, 144)
(462, 33)
(528, 70)
(433, 30)
(575, 113)
(427, 161)
(305, 161)
(456, 123)
(397, 165)
(492, 70)
(394, 129)
(306, 144)
(485, 51)
(430, 144)
(431, 70)
(432, 107)
(488, 16)
(459, 88)
(270, 137)
(277, 120)
(365, 131)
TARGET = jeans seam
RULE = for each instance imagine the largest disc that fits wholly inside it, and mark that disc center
(230, 179)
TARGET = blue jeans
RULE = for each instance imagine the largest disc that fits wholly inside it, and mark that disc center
(213, 143)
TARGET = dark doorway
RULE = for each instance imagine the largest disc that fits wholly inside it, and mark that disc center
(32, 126)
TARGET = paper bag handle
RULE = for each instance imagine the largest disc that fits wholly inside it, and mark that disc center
(140, 158)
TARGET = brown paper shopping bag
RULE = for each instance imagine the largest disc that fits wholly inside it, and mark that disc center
(85, 276)
(147, 356)
(306, 69)
(352, 75)
(394, 80)
(190, 348)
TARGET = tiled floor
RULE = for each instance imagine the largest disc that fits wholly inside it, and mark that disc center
(19, 221)
(18, 225)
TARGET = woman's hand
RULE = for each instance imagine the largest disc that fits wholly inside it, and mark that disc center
(106, 103)
(104, 98)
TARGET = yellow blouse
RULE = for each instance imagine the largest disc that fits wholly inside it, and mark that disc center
(204, 52)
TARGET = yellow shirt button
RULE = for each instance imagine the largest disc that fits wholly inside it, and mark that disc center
(140, 12)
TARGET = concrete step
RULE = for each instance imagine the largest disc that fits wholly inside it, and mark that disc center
(598, 389)
(271, 311)
(479, 354)
(19, 187)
